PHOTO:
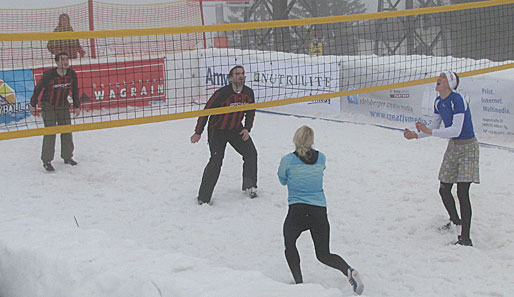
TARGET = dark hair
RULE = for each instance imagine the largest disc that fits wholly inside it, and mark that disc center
(59, 55)
(234, 68)
(457, 77)
(63, 15)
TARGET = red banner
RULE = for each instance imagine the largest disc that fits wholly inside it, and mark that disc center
(119, 84)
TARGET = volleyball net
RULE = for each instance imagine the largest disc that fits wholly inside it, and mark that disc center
(155, 73)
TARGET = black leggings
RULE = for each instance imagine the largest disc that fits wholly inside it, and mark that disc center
(302, 217)
(445, 191)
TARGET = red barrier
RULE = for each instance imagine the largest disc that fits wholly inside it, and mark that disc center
(121, 84)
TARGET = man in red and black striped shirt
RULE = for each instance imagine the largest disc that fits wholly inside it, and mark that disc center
(56, 85)
(229, 128)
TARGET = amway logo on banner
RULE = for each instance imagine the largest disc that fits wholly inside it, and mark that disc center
(274, 80)
(120, 84)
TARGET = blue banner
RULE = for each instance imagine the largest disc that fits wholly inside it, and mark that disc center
(16, 88)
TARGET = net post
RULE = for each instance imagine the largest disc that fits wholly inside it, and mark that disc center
(203, 23)
(91, 27)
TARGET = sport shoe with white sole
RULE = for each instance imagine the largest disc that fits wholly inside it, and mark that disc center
(355, 281)
(251, 192)
(70, 161)
(201, 202)
(48, 167)
(450, 227)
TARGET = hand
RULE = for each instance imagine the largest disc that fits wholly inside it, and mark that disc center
(422, 128)
(76, 111)
(195, 138)
(408, 134)
(33, 110)
(245, 134)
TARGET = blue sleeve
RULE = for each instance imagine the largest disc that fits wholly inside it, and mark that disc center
(436, 111)
(322, 160)
(458, 104)
(282, 170)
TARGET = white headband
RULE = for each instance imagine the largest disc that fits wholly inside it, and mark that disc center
(452, 79)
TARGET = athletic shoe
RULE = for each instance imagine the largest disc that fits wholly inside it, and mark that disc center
(70, 161)
(464, 241)
(355, 281)
(48, 167)
(200, 202)
(450, 226)
(251, 192)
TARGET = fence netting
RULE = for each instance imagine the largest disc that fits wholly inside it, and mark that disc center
(147, 67)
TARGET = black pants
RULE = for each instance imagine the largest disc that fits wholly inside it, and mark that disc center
(217, 143)
(302, 217)
(445, 190)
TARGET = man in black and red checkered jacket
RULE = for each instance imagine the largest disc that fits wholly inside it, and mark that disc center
(56, 85)
(229, 127)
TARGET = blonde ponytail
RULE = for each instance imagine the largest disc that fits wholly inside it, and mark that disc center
(303, 140)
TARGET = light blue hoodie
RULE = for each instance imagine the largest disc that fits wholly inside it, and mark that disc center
(304, 178)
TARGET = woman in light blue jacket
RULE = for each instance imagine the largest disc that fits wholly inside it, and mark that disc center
(302, 172)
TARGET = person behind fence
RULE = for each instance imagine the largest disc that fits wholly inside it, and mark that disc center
(55, 86)
(302, 172)
(70, 46)
(225, 128)
(460, 163)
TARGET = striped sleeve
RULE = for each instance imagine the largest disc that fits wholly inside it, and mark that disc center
(202, 121)
(250, 114)
(39, 87)
(75, 90)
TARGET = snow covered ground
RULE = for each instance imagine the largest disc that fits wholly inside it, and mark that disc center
(125, 222)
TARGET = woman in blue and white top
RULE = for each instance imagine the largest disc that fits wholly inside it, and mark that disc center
(302, 172)
(461, 159)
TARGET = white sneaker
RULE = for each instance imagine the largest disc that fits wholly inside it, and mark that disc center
(450, 227)
(355, 281)
(251, 192)
(200, 202)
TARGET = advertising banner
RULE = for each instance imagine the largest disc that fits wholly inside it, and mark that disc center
(119, 84)
(274, 80)
(405, 105)
(16, 88)
(491, 103)
(492, 106)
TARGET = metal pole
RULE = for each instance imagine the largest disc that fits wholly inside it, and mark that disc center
(203, 23)
(91, 27)
(411, 20)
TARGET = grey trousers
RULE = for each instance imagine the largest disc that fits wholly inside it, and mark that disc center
(53, 116)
